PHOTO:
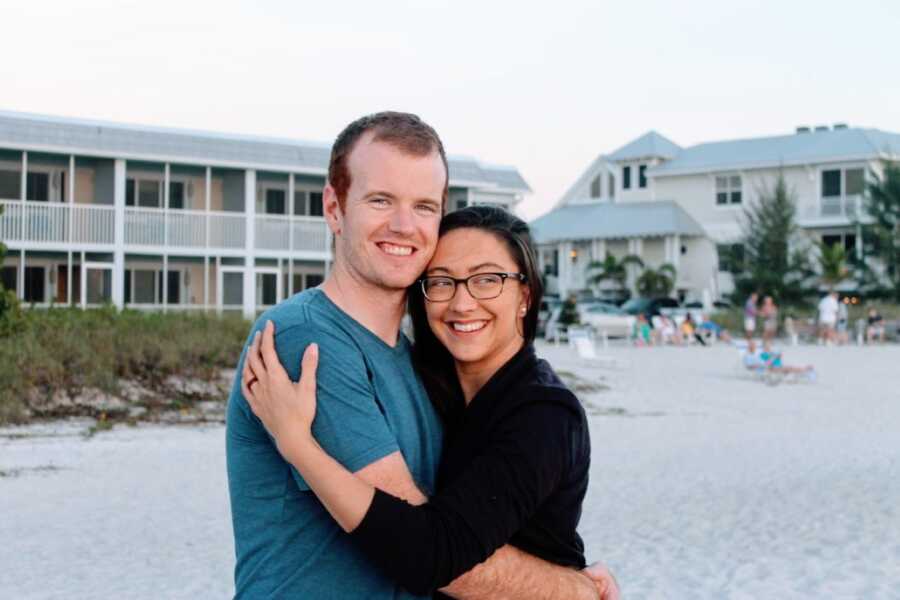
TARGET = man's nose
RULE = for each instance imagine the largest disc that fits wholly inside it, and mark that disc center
(402, 221)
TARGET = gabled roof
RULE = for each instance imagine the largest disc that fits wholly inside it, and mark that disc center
(614, 221)
(60, 134)
(833, 145)
(649, 145)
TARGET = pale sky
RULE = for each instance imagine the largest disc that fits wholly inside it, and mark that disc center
(544, 86)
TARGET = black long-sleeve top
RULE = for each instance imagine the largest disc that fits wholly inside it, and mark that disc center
(515, 470)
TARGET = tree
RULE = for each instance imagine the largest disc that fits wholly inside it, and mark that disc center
(882, 204)
(7, 299)
(770, 264)
(832, 264)
(656, 282)
(612, 269)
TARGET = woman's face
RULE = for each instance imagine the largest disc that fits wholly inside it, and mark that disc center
(478, 333)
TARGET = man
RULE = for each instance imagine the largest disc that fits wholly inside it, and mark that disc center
(828, 311)
(387, 185)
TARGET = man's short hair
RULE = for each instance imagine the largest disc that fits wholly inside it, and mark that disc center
(406, 132)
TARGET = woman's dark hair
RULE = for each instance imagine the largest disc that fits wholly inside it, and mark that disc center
(433, 361)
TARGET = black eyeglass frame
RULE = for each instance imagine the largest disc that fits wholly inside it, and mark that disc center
(521, 277)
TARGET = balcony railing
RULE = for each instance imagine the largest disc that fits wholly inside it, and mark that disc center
(43, 222)
(837, 207)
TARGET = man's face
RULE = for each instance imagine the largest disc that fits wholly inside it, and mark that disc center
(387, 231)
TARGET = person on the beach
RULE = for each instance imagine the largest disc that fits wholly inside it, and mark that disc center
(643, 333)
(750, 315)
(771, 361)
(769, 313)
(874, 326)
(383, 201)
(842, 333)
(474, 317)
(828, 310)
(689, 330)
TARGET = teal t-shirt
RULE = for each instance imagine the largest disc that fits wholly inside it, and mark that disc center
(370, 403)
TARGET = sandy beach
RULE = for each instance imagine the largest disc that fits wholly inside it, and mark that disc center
(705, 483)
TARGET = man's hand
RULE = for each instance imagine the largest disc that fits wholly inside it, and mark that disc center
(607, 586)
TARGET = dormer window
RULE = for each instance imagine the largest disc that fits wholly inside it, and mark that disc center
(595, 187)
(642, 176)
(626, 178)
(728, 190)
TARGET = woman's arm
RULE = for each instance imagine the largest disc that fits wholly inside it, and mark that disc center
(271, 394)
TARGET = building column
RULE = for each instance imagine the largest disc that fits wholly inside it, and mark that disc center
(165, 271)
(118, 274)
(219, 285)
(206, 283)
(250, 256)
(69, 282)
(20, 287)
(565, 269)
(598, 250)
(23, 193)
(676, 251)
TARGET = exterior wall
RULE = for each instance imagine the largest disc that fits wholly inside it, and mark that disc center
(653, 252)
(698, 268)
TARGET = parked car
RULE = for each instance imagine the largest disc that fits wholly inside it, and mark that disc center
(606, 318)
(651, 307)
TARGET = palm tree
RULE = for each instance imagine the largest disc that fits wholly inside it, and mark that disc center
(657, 282)
(612, 269)
(833, 264)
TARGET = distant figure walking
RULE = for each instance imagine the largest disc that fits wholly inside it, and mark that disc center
(874, 326)
(750, 315)
(828, 311)
(843, 336)
(769, 312)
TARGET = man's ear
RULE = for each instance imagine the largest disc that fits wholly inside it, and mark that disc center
(332, 209)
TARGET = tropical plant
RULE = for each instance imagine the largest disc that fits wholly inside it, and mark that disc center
(612, 269)
(832, 264)
(770, 263)
(568, 312)
(656, 282)
(882, 205)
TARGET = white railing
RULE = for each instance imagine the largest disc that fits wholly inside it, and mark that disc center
(273, 232)
(145, 227)
(226, 230)
(93, 224)
(310, 233)
(838, 207)
(43, 222)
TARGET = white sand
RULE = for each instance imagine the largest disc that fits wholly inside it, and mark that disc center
(710, 485)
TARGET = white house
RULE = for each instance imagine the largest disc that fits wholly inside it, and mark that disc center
(692, 200)
(155, 218)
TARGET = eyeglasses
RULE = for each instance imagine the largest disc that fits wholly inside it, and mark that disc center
(481, 286)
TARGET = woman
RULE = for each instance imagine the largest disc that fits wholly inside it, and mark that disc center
(515, 463)
(769, 312)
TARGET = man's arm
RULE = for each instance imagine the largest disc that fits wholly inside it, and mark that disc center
(512, 573)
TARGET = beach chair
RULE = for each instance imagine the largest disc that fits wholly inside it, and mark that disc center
(584, 346)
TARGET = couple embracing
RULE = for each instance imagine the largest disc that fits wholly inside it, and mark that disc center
(361, 465)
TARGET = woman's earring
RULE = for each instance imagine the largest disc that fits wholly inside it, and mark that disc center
(523, 310)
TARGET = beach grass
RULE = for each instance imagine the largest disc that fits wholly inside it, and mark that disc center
(46, 353)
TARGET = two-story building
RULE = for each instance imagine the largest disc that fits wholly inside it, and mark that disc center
(161, 219)
(683, 206)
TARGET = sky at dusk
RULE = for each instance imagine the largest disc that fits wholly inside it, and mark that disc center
(543, 86)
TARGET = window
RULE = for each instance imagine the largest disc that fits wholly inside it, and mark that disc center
(148, 193)
(38, 186)
(731, 257)
(315, 204)
(9, 277)
(854, 182)
(129, 192)
(642, 176)
(626, 178)
(300, 207)
(313, 280)
(611, 186)
(140, 286)
(847, 240)
(595, 187)
(176, 194)
(35, 284)
(9, 185)
(275, 202)
(461, 203)
(831, 183)
(728, 190)
(173, 294)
